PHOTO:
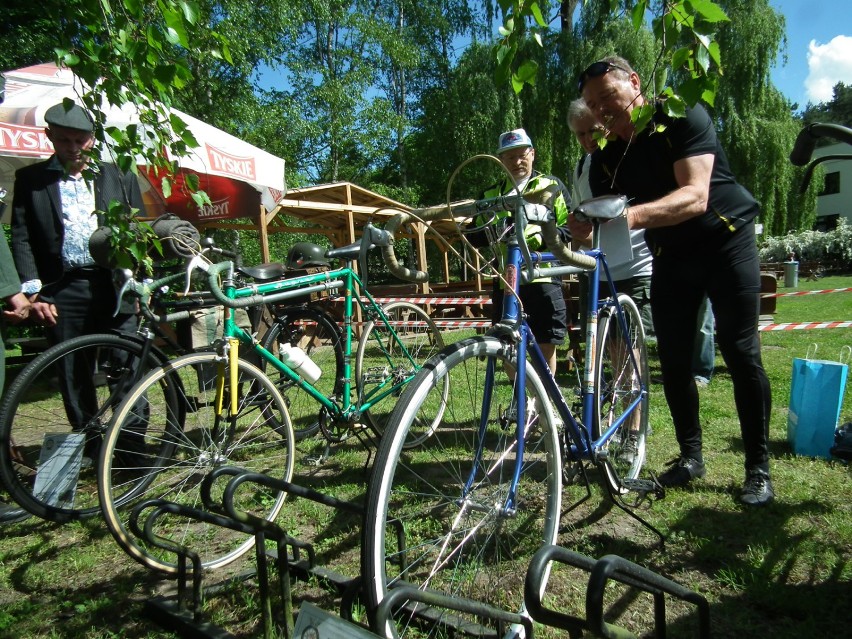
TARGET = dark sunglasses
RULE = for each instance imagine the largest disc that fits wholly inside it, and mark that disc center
(596, 70)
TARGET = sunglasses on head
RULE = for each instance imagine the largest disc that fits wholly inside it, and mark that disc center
(595, 70)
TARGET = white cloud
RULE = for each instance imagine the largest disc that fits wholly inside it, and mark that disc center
(828, 64)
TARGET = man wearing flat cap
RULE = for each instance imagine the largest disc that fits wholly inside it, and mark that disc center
(53, 216)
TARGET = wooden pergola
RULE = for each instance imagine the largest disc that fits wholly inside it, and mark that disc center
(339, 211)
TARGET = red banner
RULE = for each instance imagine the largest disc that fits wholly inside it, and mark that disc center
(229, 198)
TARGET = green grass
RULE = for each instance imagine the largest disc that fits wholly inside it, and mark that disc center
(779, 571)
(782, 571)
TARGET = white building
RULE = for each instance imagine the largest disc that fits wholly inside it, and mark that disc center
(835, 198)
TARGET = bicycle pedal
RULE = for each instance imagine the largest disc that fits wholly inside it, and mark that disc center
(649, 489)
(376, 374)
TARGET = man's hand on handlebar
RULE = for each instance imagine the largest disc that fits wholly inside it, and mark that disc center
(581, 229)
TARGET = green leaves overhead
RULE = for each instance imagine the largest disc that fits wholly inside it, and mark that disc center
(394, 94)
(139, 58)
(521, 18)
(685, 30)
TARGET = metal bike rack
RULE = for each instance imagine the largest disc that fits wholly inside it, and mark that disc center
(610, 567)
(291, 557)
(437, 603)
(183, 613)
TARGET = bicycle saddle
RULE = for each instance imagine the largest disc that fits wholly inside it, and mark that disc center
(264, 272)
(604, 207)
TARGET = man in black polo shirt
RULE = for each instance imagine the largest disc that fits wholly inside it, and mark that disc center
(699, 226)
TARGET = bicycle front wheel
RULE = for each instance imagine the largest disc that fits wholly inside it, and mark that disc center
(315, 333)
(446, 514)
(621, 393)
(53, 419)
(389, 357)
(150, 453)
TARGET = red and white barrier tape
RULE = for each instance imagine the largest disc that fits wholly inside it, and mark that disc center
(452, 323)
(430, 300)
(797, 326)
(473, 323)
(479, 323)
(797, 293)
(486, 300)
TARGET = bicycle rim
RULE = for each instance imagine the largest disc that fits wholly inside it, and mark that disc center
(617, 385)
(381, 364)
(149, 453)
(319, 337)
(464, 544)
(49, 447)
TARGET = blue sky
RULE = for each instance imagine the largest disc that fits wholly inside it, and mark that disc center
(819, 49)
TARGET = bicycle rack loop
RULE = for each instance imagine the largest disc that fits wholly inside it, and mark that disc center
(609, 567)
(437, 599)
(174, 614)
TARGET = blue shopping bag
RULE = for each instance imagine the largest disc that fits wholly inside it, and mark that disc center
(816, 395)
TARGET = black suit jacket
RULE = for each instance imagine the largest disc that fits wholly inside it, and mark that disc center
(37, 227)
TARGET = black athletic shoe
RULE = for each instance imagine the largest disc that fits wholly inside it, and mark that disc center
(683, 470)
(757, 490)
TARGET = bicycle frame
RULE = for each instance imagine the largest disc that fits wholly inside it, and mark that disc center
(342, 277)
(580, 443)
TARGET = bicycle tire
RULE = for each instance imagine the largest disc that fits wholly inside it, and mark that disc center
(318, 335)
(33, 407)
(381, 365)
(464, 546)
(616, 386)
(169, 459)
(10, 514)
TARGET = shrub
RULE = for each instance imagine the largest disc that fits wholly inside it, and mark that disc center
(830, 247)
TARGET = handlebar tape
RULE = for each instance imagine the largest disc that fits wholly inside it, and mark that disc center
(214, 270)
(465, 208)
(803, 147)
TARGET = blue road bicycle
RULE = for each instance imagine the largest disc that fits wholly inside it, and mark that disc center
(479, 495)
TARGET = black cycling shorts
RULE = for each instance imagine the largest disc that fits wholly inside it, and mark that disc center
(545, 308)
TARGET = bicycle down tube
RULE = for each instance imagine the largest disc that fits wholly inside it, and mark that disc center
(343, 277)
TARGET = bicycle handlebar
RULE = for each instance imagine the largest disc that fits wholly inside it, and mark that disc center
(471, 208)
(806, 140)
(208, 243)
(144, 291)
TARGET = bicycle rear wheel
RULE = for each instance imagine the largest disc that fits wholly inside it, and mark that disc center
(149, 453)
(315, 333)
(446, 498)
(618, 385)
(48, 446)
(382, 367)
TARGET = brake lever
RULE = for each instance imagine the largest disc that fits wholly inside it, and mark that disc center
(197, 261)
(366, 243)
(520, 231)
(127, 275)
